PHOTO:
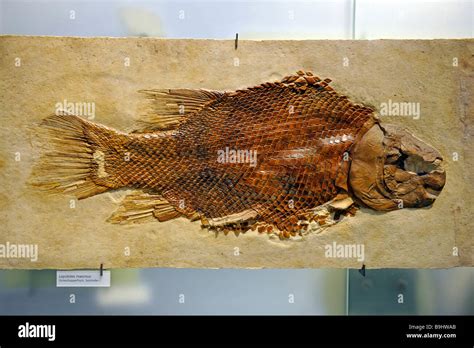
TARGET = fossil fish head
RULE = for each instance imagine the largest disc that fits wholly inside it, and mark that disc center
(393, 169)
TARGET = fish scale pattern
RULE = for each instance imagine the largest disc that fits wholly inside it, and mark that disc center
(296, 131)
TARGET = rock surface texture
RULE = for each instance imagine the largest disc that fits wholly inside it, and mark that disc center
(422, 86)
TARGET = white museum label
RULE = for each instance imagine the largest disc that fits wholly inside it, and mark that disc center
(73, 279)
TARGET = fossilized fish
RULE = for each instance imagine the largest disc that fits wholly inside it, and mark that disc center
(261, 158)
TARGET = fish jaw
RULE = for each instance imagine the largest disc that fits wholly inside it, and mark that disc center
(392, 169)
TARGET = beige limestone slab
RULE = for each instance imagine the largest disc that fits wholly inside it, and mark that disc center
(93, 70)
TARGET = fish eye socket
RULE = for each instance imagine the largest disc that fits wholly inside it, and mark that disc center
(418, 165)
(400, 161)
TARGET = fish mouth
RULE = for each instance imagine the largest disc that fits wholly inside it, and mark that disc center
(393, 169)
(413, 170)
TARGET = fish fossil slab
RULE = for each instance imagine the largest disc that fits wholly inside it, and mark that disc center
(261, 158)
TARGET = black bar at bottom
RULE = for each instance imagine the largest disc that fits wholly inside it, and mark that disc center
(417, 330)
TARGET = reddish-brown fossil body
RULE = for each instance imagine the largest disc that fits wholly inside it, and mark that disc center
(270, 153)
